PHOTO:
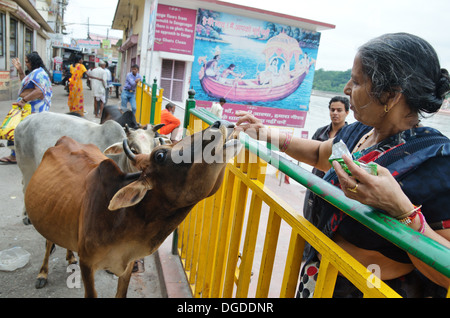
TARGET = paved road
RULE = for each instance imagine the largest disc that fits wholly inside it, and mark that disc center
(20, 283)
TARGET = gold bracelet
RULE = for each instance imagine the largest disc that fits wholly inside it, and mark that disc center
(408, 217)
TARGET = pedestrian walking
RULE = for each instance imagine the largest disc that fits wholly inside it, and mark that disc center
(76, 96)
(99, 84)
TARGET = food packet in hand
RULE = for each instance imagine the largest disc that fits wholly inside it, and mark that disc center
(339, 149)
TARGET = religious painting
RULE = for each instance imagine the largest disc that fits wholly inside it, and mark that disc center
(257, 66)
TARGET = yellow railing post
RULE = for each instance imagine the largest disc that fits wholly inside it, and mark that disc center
(293, 262)
(158, 106)
(268, 256)
(224, 235)
(147, 106)
(139, 93)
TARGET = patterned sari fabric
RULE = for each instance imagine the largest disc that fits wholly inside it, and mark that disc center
(38, 78)
(419, 159)
(76, 97)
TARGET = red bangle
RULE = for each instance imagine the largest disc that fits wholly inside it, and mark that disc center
(409, 219)
(286, 143)
(422, 222)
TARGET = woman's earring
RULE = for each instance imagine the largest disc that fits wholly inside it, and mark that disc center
(386, 110)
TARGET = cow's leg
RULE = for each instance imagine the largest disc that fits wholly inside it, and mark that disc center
(25, 218)
(43, 273)
(87, 274)
(124, 281)
(70, 257)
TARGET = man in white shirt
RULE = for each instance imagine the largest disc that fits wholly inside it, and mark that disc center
(217, 107)
(99, 83)
(109, 81)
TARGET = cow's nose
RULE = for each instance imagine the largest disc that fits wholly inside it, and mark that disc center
(225, 123)
(216, 124)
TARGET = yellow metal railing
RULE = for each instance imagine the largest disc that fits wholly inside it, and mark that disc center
(147, 96)
(221, 239)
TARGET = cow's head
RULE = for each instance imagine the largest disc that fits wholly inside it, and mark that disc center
(140, 141)
(182, 173)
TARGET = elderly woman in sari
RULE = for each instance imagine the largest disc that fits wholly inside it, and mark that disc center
(36, 90)
(395, 79)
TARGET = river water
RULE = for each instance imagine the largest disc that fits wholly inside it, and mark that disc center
(318, 116)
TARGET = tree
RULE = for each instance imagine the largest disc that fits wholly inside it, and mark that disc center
(331, 81)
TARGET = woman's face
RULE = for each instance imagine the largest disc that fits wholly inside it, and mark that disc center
(28, 64)
(366, 109)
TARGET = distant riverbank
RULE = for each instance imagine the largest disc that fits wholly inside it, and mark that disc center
(326, 94)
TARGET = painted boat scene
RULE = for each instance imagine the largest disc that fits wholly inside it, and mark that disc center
(277, 81)
(253, 63)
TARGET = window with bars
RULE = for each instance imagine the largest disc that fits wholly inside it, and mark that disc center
(28, 41)
(172, 79)
(13, 42)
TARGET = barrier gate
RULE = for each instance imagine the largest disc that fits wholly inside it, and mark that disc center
(217, 252)
(218, 239)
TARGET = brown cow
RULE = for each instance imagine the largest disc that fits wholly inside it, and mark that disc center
(79, 199)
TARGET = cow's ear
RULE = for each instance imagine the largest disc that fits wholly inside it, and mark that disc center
(114, 149)
(129, 195)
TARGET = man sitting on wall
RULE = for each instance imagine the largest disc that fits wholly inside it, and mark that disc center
(129, 89)
(171, 123)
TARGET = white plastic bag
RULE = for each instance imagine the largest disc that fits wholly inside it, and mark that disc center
(339, 149)
(13, 258)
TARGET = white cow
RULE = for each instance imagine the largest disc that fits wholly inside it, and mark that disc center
(38, 132)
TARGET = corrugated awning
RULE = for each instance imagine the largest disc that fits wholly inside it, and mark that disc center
(131, 41)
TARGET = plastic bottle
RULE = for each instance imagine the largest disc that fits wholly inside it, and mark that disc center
(13, 258)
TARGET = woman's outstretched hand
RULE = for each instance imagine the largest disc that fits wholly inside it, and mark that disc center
(251, 125)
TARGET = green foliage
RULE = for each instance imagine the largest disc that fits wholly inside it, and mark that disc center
(331, 81)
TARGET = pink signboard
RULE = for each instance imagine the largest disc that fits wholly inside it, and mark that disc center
(269, 116)
(175, 29)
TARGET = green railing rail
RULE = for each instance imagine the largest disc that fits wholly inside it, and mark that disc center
(425, 249)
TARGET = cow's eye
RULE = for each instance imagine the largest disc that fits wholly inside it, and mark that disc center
(160, 156)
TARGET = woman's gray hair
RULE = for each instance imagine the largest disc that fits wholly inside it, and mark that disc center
(402, 62)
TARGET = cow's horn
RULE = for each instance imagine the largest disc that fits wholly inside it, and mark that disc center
(161, 140)
(158, 127)
(128, 151)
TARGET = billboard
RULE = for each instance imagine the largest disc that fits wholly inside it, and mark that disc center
(174, 29)
(258, 66)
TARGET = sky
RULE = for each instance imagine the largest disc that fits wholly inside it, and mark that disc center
(357, 21)
(100, 14)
